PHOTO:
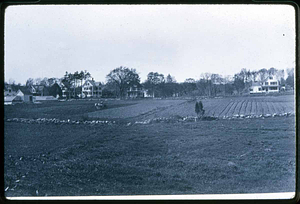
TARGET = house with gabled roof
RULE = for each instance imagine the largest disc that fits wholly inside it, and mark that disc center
(90, 88)
(271, 84)
(25, 94)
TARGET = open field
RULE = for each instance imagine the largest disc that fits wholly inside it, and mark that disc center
(149, 109)
(219, 108)
(220, 156)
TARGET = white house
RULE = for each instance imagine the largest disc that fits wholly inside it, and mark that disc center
(271, 84)
(135, 91)
(256, 87)
(91, 88)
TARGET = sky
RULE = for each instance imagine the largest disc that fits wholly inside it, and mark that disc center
(181, 40)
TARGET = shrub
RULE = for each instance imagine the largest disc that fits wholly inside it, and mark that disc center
(199, 109)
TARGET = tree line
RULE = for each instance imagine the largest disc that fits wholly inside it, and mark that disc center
(120, 79)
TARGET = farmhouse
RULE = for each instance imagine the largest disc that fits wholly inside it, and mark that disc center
(91, 88)
(135, 91)
(270, 85)
(25, 94)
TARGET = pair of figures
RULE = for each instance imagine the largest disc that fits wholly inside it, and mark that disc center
(199, 109)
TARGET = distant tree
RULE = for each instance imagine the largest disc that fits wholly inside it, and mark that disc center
(123, 78)
(202, 87)
(29, 82)
(154, 83)
(290, 79)
(238, 83)
(37, 81)
(190, 80)
(228, 88)
(205, 84)
(11, 81)
(254, 75)
(272, 71)
(109, 91)
(51, 81)
(262, 73)
(170, 79)
(67, 81)
(188, 87)
(87, 75)
(44, 82)
(280, 74)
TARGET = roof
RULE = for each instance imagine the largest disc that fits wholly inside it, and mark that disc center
(9, 98)
(44, 98)
(25, 90)
(12, 98)
(267, 78)
(256, 84)
(93, 82)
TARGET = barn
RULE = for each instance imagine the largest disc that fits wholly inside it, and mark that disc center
(26, 95)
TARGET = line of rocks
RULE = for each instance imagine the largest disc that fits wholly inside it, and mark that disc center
(208, 118)
(58, 121)
(149, 121)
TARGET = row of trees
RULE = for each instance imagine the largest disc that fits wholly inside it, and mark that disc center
(122, 78)
(209, 84)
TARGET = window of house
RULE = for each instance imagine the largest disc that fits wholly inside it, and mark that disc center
(251, 89)
(259, 89)
(273, 83)
(266, 83)
(271, 77)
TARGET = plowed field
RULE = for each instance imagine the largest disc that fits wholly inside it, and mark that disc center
(217, 107)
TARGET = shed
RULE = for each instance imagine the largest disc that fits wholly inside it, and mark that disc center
(25, 95)
(10, 100)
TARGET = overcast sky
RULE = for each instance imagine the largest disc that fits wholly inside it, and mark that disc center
(181, 40)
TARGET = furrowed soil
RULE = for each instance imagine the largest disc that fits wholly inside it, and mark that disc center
(203, 157)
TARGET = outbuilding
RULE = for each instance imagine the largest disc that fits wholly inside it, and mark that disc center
(256, 88)
(26, 95)
(11, 100)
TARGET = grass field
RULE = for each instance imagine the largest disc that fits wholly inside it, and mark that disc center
(220, 156)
